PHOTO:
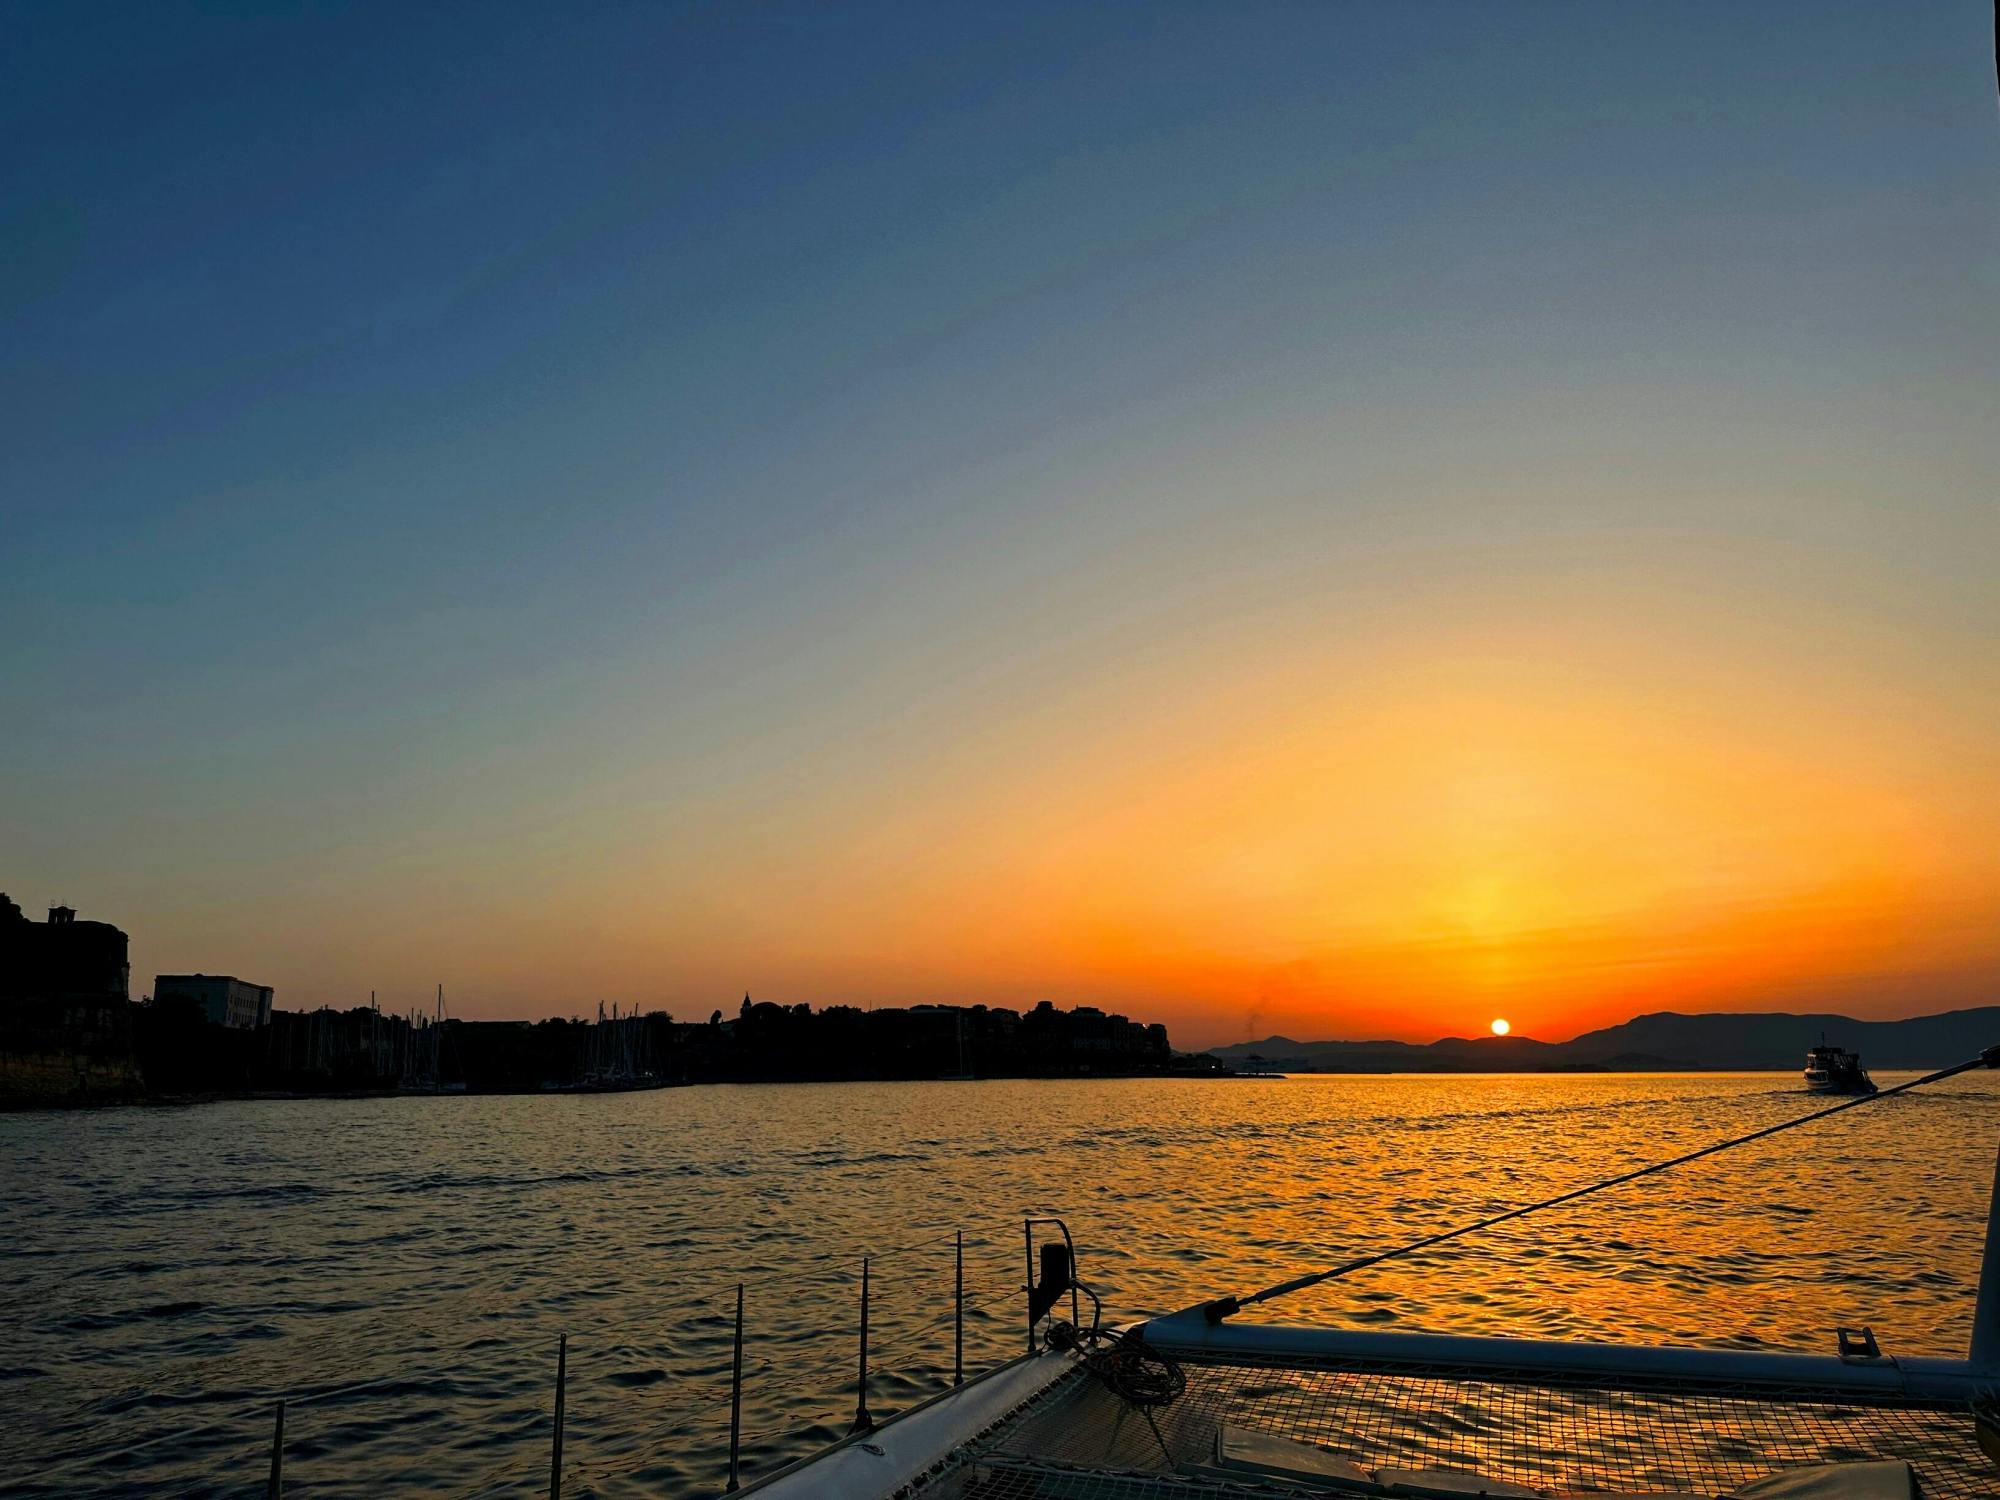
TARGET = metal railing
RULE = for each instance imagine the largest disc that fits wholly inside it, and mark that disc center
(964, 1301)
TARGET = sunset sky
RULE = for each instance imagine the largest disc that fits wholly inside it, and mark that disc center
(1338, 520)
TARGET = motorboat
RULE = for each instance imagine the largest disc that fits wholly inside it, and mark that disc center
(1836, 1070)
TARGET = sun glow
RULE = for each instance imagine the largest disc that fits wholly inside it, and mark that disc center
(1500, 1026)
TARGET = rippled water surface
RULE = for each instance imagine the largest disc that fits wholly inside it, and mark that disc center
(168, 1272)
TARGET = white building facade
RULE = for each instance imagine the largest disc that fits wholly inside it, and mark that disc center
(224, 999)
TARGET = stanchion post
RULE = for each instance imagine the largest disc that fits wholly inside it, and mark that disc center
(1028, 1239)
(562, 1388)
(958, 1314)
(736, 1396)
(862, 1421)
(276, 1486)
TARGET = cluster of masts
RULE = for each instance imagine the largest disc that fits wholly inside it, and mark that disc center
(423, 1064)
(620, 1050)
(413, 1056)
(618, 1053)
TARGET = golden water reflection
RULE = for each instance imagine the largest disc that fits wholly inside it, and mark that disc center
(177, 1267)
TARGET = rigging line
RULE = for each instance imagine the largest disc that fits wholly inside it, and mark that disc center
(232, 1419)
(1222, 1307)
(937, 1242)
(829, 1270)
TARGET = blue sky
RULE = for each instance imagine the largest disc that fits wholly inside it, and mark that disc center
(471, 469)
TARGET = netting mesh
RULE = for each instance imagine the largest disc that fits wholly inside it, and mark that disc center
(1083, 1443)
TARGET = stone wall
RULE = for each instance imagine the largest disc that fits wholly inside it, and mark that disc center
(55, 1052)
(48, 1079)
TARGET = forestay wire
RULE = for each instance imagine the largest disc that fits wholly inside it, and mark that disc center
(1222, 1307)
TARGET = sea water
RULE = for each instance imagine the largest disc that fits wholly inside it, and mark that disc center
(166, 1274)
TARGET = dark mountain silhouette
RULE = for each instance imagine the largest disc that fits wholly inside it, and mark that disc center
(1660, 1042)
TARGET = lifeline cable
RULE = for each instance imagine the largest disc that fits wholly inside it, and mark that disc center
(1222, 1307)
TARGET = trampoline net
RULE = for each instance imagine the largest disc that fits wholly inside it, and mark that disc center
(1081, 1442)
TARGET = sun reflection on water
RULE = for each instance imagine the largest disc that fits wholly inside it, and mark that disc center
(213, 1254)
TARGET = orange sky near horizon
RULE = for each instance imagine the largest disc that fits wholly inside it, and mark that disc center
(1397, 817)
(1341, 844)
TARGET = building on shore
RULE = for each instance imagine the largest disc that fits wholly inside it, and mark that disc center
(65, 1020)
(61, 959)
(223, 998)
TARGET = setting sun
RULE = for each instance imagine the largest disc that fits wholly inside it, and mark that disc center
(1500, 1026)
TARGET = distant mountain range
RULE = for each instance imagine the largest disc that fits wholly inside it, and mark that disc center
(1664, 1041)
